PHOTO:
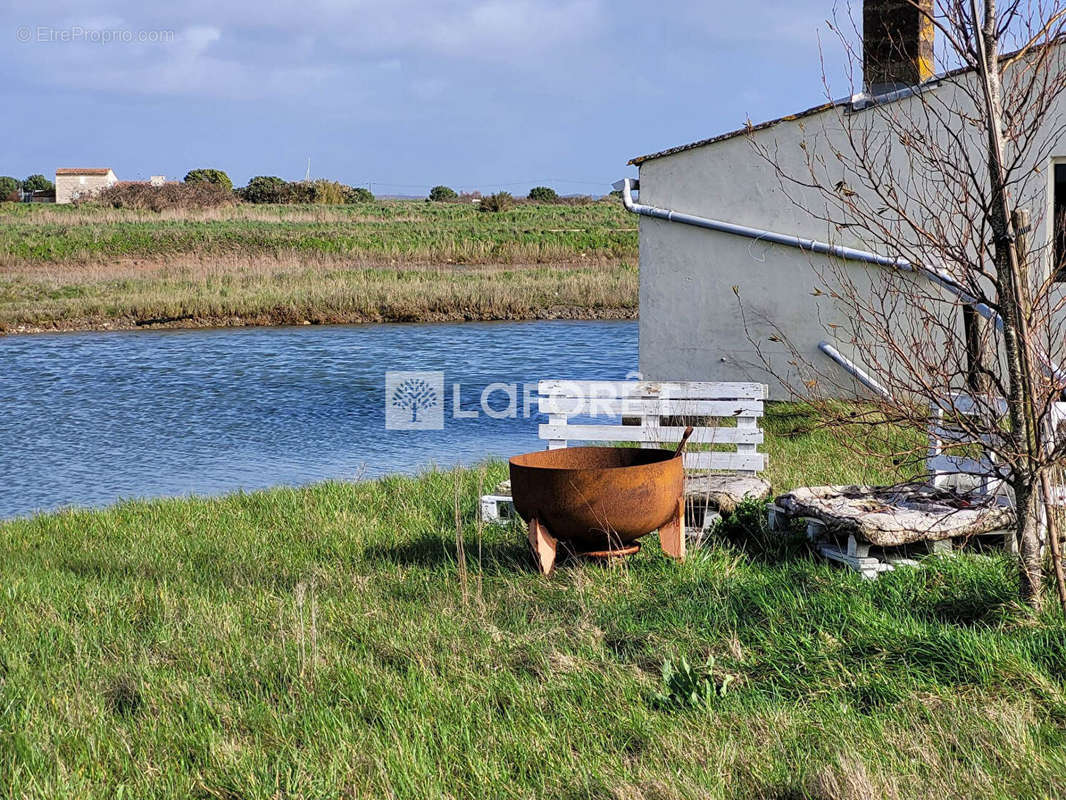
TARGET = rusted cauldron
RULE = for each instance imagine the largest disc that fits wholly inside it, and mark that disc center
(599, 500)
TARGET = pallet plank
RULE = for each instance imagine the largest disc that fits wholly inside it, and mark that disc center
(695, 390)
(633, 433)
(727, 462)
(959, 464)
(641, 406)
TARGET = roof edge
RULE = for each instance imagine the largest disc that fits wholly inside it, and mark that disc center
(749, 128)
(82, 170)
(871, 101)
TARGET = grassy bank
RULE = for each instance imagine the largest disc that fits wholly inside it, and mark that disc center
(73, 268)
(237, 291)
(332, 641)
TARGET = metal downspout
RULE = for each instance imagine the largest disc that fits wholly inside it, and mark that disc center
(854, 370)
(938, 276)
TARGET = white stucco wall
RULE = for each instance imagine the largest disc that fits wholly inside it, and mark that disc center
(69, 187)
(690, 317)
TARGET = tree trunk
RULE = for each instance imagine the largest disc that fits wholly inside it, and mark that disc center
(1052, 512)
(1030, 563)
(1016, 339)
(975, 327)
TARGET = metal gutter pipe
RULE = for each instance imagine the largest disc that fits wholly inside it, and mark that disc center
(809, 245)
(854, 370)
(938, 276)
(864, 100)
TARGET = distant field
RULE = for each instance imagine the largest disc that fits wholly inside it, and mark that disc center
(76, 268)
(405, 231)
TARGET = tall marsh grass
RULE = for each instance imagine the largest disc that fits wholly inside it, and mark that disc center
(67, 267)
(290, 290)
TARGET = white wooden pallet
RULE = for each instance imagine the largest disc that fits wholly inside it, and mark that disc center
(497, 508)
(865, 558)
(946, 467)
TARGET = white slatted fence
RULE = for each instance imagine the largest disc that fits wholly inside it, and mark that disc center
(653, 402)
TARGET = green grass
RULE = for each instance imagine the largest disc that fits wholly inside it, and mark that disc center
(402, 230)
(70, 268)
(331, 642)
(803, 452)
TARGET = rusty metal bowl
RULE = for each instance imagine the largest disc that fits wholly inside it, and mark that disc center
(598, 497)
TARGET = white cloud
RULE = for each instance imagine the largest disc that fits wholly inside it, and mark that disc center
(499, 27)
(246, 49)
(786, 23)
(199, 37)
(190, 63)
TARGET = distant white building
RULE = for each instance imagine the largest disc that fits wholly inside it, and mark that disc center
(72, 182)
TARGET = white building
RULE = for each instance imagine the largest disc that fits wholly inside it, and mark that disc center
(696, 283)
(72, 182)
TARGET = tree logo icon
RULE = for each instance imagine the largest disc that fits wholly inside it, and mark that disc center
(414, 400)
(415, 395)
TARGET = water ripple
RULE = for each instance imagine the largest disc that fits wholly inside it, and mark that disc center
(90, 418)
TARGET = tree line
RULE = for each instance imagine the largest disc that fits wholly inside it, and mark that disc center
(10, 188)
(209, 186)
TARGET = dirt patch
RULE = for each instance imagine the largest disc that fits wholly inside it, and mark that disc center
(279, 319)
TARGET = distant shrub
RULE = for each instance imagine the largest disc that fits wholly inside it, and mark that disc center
(38, 183)
(299, 192)
(145, 197)
(272, 189)
(470, 197)
(323, 192)
(578, 200)
(265, 189)
(213, 176)
(358, 194)
(543, 194)
(9, 188)
(442, 194)
(501, 201)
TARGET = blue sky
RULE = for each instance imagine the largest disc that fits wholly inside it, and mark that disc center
(477, 94)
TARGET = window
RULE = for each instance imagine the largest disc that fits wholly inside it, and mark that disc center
(1059, 226)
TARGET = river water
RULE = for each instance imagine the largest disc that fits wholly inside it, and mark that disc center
(87, 419)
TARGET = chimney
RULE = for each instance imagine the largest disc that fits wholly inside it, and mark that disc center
(897, 44)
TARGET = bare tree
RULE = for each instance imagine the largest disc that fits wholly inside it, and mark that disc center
(947, 181)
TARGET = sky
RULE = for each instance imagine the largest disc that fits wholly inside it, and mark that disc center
(400, 95)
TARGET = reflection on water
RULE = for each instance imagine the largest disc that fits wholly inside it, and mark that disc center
(87, 419)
